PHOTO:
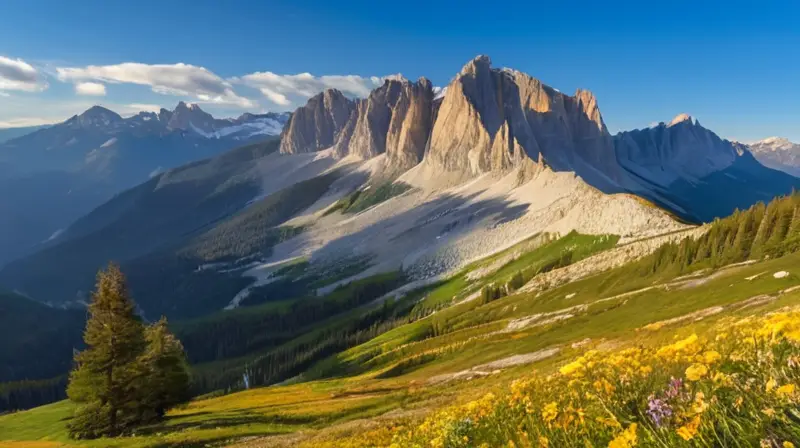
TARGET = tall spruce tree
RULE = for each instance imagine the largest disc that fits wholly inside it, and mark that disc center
(105, 374)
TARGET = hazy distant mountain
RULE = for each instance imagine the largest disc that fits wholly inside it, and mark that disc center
(59, 173)
(7, 134)
(694, 173)
(778, 153)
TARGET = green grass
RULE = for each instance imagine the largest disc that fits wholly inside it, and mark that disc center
(361, 200)
(391, 371)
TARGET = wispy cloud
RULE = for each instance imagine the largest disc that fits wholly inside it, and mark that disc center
(285, 90)
(90, 89)
(25, 122)
(166, 79)
(16, 74)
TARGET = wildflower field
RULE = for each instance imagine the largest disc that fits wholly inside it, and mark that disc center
(735, 387)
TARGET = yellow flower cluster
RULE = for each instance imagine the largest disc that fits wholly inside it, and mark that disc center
(736, 384)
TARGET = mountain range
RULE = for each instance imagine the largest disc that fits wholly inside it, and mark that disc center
(409, 179)
(62, 172)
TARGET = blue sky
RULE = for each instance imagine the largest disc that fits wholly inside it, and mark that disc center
(733, 66)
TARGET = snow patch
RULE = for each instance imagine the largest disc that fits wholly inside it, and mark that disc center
(109, 142)
(780, 274)
(55, 235)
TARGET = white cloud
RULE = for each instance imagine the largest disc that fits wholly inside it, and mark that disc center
(166, 79)
(279, 88)
(275, 97)
(90, 89)
(16, 74)
(135, 108)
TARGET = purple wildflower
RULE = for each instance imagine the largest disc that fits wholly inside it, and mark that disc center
(658, 410)
(674, 389)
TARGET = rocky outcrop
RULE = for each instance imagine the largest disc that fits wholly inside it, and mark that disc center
(318, 124)
(395, 119)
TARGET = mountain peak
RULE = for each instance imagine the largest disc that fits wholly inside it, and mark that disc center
(97, 111)
(680, 118)
(96, 116)
(478, 63)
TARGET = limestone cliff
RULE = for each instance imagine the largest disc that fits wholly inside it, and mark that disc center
(316, 125)
(395, 119)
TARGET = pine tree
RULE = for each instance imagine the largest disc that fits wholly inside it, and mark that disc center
(743, 242)
(165, 379)
(765, 228)
(106, 371)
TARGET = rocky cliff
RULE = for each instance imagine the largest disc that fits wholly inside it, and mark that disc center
(395, 119)
(316, 125)
(494, 119)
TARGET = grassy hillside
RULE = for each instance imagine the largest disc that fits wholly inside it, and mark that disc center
(402, 377)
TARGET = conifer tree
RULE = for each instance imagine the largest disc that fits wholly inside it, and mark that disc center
(765, 228)
(105, 372)
(165, 379)
(743, 242)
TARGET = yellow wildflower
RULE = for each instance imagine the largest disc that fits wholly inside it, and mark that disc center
(711, 356)
(785, 390)
(771, 384)
(602, 385)
(700, 405)
(769, 412)
(625, 439)
(574, 369)
(695, 372)
(788, 444)
(550, 412)
(689, 430)
(738, 403)
(544, 442)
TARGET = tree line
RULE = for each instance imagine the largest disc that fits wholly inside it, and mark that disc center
(764, 230)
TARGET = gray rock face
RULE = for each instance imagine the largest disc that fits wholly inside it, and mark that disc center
(395, 119)
(778, 153)
(681, 149)
(191, 118)
(316, 125)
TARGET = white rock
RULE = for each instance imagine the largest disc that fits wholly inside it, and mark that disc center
(780, 274)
